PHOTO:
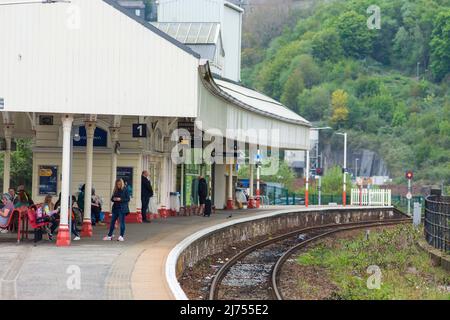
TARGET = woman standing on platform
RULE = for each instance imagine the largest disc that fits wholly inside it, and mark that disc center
(120, 209)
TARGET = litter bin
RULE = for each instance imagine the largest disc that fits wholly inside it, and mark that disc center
(175, 203)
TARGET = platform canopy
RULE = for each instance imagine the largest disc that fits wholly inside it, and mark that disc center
(228, 105)
(95, 57)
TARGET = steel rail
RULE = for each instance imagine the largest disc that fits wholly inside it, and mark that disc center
(276, 270)
(214, 290)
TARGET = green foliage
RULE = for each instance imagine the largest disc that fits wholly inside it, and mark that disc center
(332, 181)
(292, 88)
(406, 271)
(356, 38)
(330, 50)
(440, 46)
(21, 164)
(326, 45)
(314, 103)
(284, 175)
(367, 87)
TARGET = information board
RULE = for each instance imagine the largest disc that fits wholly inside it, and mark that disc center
(100, 137)
(48, 180)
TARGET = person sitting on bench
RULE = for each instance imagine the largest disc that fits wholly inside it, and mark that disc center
(52, 214)
(5, 212)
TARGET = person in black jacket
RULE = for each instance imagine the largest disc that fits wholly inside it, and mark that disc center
(146, 194)
(120, 209)
(202, 193)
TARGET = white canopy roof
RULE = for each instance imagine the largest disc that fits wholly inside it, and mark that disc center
(260, 102)
(114, 63)
(239, 112)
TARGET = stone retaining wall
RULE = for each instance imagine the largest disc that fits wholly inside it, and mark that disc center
(216, 241)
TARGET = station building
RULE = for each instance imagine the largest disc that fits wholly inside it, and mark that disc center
(101, 91)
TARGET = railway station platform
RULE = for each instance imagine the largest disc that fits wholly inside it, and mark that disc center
(141, 268)
(134, 269)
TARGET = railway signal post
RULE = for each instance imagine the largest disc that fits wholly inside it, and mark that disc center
(409, 176)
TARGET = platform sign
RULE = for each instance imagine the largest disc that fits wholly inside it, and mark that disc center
(48, 180)
(139, 130)
(126, 174)
(100, 137)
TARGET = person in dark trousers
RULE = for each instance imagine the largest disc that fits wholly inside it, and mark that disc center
(96, 208)
(120, 209)
(202, 193)
(146, 194)
(73, 223)
(80, 200)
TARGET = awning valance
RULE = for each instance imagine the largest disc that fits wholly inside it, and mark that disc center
(234, 109)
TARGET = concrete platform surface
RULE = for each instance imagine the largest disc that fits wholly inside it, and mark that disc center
(92, 269)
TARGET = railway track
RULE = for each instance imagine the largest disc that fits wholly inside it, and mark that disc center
(254, 272)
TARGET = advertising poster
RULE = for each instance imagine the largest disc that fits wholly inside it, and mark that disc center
(48, 180)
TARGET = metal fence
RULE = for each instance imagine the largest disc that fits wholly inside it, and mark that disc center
(369, 197)
(437, 222)
(281, 196)
(401, 202)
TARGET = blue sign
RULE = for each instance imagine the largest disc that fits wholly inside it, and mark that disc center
(48, 180)
(139, 130)
(100, 137)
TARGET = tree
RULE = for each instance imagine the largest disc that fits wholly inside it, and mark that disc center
(367, 87)
(309, 69)
(399, 118)
(332, 182)
(382, 104)
(440, 46)
(406, 122)
(268, 77)
(339, 102)
(326, 45)
(292, 88)
(313, 104)
(284, 176)
(356, 38)
(21, 164)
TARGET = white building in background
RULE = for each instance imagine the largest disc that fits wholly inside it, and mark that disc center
(96, 69)
(222, 15)
(296, 159)
(205, 38)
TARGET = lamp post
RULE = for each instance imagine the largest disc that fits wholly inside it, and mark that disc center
(356, 167)
(318, 164)
(344, 192)
(307, 180)
(418, 71)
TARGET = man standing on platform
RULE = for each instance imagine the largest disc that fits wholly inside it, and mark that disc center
(202, 193)
(146, 194)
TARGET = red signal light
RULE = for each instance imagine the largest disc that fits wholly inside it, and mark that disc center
(409, 175)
